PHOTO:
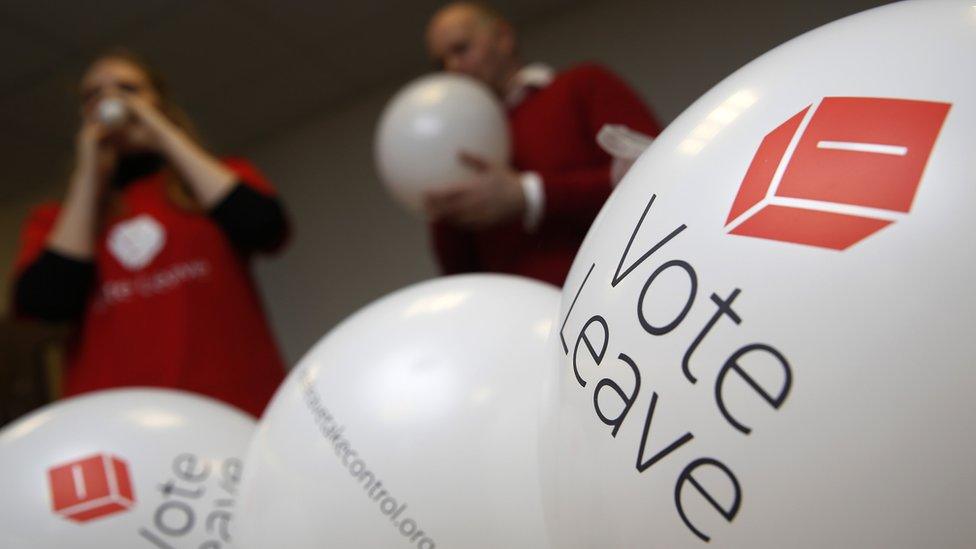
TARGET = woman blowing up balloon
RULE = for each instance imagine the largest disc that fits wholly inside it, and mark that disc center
(149, 250)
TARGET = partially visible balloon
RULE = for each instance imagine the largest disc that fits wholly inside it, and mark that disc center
(122, 468)
(766, 337)
(411, 424)
(427, 124)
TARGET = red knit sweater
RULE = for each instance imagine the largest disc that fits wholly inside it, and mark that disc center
(554, 134)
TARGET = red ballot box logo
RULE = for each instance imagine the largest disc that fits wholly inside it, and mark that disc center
(90, 488)
(834, 174)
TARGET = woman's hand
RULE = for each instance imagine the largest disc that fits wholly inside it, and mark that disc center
(94, 159)
(74, 230)
(152, 128)
(206, 176)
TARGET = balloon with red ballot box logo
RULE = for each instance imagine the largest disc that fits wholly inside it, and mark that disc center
(766, 337)
(122, 468)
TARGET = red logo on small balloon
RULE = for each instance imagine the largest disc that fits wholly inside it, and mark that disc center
(834, 174)
(91, 487)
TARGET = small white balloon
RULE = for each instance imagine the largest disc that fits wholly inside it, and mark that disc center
(427, 124)
(766, 337)
(112, 112)
(122, 468)
(411, 424)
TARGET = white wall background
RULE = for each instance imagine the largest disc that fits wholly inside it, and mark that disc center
(352, 244)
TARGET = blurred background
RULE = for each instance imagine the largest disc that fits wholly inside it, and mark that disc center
(297, 86)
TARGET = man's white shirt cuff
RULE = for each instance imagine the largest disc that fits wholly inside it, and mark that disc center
(535, 200)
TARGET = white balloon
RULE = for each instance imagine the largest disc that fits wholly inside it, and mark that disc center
(427, 124)
(411, 424)
(122, 468)
(112, 112)
(787, 270)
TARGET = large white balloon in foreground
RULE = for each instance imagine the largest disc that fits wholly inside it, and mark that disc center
(411, 424)
(122, 468)
(427, 124)
(766, 339)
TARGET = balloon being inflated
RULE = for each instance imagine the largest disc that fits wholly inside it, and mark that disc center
(411, 424)
(428, 124)
(112, 112)
(122, 468)
(765, 338)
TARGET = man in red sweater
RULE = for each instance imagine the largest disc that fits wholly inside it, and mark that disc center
(528, 218)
